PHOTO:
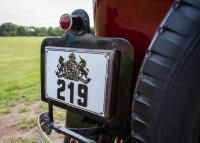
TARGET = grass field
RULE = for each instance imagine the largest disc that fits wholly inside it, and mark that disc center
(19, 71)
(20, 90)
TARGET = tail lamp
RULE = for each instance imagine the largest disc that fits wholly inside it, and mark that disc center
(77, 23)
(66, 22)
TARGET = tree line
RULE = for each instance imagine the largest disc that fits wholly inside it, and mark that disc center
(10, 29)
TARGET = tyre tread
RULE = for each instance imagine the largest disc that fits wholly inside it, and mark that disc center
(164, 52)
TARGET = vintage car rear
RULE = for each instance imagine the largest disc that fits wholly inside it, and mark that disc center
(99, 78)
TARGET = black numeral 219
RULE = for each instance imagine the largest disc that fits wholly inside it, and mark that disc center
(82, 92)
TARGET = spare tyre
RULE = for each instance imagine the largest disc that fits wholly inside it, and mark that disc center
(166, 104)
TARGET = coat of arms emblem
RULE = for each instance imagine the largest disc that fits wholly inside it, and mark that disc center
(72, 69)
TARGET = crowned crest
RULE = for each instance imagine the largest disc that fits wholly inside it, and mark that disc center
(73, 70)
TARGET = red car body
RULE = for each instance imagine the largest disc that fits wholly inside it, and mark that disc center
(134, 20)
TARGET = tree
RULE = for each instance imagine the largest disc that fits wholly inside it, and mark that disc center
(9, 29)
(21, 31)
(51, 31)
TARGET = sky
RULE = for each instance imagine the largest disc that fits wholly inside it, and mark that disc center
(41, 13)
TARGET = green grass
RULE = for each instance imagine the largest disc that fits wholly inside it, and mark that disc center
(4, 110)
(20, 140)
(42, 108)
(23, 110)
(19, 71)
(59, 114)
(27, 123)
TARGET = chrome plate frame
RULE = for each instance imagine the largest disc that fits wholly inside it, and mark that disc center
(92, 59)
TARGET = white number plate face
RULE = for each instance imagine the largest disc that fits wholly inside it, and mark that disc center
(77, 78)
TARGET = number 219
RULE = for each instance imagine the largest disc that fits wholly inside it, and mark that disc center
(82, 92)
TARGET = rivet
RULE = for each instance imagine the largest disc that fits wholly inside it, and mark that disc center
(161, 30)
(149, 54)
(177, 4)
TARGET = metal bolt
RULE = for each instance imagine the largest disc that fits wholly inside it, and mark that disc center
(177, 4)
(161, 30)
(149, 54)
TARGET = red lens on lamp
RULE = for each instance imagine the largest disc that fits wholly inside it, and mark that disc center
(73, 141)
(65, 22)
